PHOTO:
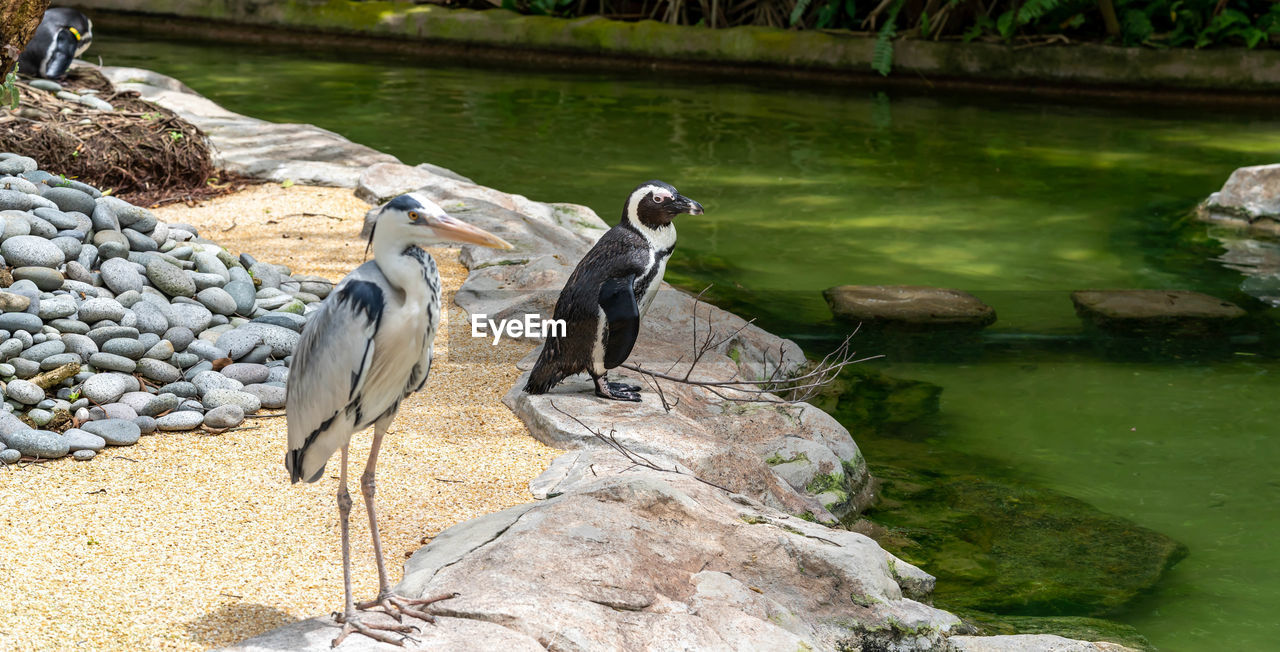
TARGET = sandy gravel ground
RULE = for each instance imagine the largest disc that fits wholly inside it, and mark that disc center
(190, 541)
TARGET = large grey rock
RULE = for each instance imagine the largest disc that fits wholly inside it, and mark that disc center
(624, 560)
(909, 307)
(1250, 198)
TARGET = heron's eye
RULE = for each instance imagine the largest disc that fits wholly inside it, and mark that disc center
(413, 216)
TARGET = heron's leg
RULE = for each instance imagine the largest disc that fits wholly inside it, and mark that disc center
(614, 391)
(392, 603)
(351, 622)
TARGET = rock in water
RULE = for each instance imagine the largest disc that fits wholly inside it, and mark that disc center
(909, 307)
(1172, 312)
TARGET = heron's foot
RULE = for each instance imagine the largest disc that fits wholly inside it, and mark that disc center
(387, 632)
(399, 606)
(625, 388)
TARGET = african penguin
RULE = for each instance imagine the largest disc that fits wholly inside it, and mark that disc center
(610, 291)
(63, 35)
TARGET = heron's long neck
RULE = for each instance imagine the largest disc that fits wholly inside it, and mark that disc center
(409, 269)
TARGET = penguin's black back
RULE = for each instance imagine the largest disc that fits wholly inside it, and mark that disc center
(620, 252)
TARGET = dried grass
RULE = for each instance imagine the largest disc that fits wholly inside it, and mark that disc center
(143, 152)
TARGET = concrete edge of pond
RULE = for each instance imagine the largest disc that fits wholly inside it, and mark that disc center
(631, 526)
(759, 52)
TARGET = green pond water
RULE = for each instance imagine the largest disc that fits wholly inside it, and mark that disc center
(1016, 201)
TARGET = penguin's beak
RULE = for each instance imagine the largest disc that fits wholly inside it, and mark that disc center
(455, 230)
(683, 204)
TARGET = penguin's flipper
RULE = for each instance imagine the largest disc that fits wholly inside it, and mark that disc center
(622, 314)
(61, 54)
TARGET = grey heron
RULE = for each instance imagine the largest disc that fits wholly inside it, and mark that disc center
(365, 350)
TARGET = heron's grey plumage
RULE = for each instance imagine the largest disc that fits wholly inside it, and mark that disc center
(366, 349)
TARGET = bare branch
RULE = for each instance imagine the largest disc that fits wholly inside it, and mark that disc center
(636, 459)
(771, 384)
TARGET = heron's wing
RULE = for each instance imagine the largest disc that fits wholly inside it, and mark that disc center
(622, 316)
(330, 366)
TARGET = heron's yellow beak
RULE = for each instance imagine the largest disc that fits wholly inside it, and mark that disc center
(454, 230)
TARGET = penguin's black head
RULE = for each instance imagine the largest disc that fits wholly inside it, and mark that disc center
(654, 204)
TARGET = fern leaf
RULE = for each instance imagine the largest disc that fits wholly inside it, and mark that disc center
(882, 56)
(798, 11)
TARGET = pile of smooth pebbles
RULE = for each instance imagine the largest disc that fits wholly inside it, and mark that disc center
(115, 325)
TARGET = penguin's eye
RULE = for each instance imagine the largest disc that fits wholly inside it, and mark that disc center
(658, 199)
(413, 216)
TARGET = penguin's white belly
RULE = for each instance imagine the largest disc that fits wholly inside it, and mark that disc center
(597, 348)
(652, 291)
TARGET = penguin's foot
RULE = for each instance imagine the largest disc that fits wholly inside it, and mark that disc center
(616, 391)
(622, 387)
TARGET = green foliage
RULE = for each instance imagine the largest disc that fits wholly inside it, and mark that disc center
(9, 89)
(882, 57)
(1142, 23)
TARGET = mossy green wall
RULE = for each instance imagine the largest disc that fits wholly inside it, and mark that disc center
(753, 46)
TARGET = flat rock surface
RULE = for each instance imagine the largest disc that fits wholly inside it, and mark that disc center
(909, 306)
(301, 153)
(1179, 310)
(643, 560)
(446, 635)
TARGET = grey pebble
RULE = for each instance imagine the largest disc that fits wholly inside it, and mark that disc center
(116, 432)
(180, 421)
(225, 416)
(82, 440)
(269, 396)
(219, 397)
(37, 443)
